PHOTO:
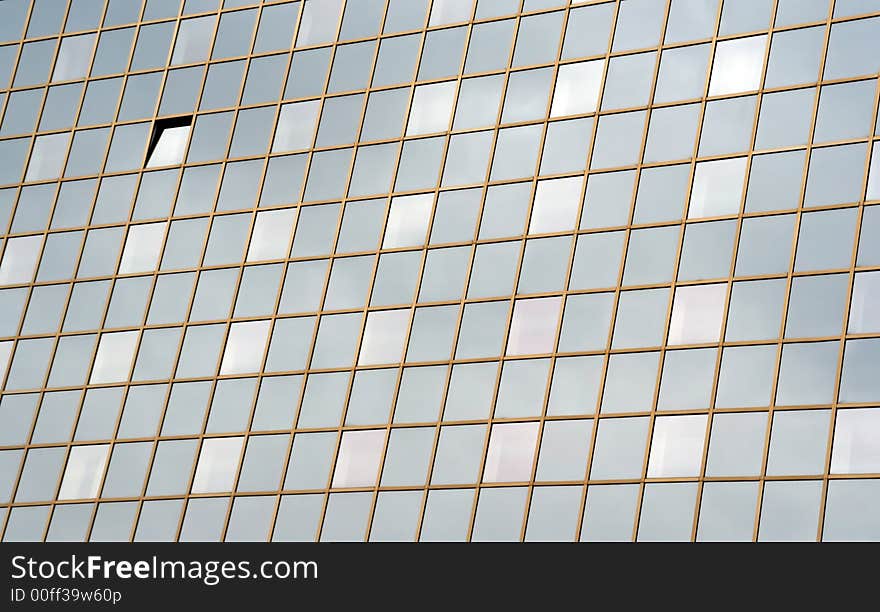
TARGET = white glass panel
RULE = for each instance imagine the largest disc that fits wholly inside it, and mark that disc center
(718, 187)
(142, 248)
(864, 315)
(384, 337)
(577, 88)
(359, 457)
(20, 259)
(270, 238)
(85, 467)
(296, 126)
(737, 65)
(856, 442)
(533, 329)
(245, 347)
(113, 361)
(408, 221)
(556, 206)
(319, 22)
(431, 108)
(47, 157)
(874, 174)
(677, 446)
(74, 57)
(450, 11)
(170, 147)
(511, 452)
(697, 314)
(218, 464)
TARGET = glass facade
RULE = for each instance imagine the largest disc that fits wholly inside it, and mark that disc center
(439, 270)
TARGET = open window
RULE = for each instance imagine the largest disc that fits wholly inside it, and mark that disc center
(168, 142)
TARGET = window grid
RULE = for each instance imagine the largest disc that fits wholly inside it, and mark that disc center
(596, 414)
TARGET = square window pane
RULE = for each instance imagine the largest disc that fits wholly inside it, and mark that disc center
(218, 465)
(737, 65)
(620, 448)
(677, 446)
(359, 456)
(736, 444)
(798, 441)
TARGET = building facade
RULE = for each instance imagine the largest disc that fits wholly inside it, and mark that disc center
(439, 270)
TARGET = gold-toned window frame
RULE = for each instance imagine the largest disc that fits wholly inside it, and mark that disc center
(595, 414)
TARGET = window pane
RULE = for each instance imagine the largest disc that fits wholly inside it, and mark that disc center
(682, 73)
(114, 357)
(459, 452)
(638, 24)
(407, 221)
(193, 40)
(790, 511)
(499, 515)
(245, 347)
(630, 382)
(798, 442)
(855, 442)
(319, 22)
(667, 512)
(431, 108)
(677, 446)
(533, 328)
(555, 207)
(564, 450)
(217, 466)
(359, 456)
(170, 147)
(511, 452)
(737, 65)
(620, 448)
(609, 513)
(727, 512)
(736, 444)
(577, 89)
(310, 461)
(384, 336)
